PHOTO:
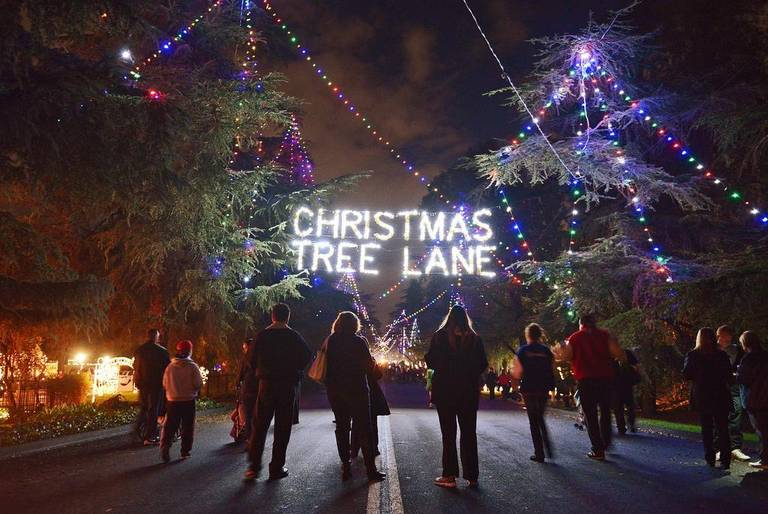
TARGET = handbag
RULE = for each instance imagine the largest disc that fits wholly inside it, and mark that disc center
(319, 366)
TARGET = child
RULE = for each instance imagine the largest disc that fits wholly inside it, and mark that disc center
(182, 382)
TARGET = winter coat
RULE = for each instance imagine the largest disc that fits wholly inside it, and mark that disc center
(711, 376)
(149, 363)
(279, 354)
(349, 364)
(457, 371)
(182, 380)
(753, 376)
(379, 405)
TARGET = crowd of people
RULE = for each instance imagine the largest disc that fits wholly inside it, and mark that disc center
(729, 379)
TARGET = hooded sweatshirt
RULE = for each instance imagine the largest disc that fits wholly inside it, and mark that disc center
(182, 380)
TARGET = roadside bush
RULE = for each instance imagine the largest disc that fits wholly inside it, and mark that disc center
(64, 420)
(69, 389)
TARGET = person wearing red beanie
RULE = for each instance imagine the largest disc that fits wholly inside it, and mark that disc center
(182, 382)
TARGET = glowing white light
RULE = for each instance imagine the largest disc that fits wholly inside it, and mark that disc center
(390, 230)
(481, 258)
(622, 160)
(436, 260)
(434, 230)
(575, 212)
(458, 225)
(407, 272)
(483, 226)
(364, 258)
(536, 120)
(635, 199)
(460, 263)
(126, 55)
(585, 55)
(407, 215)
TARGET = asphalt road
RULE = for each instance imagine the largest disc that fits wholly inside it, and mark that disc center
(644, 473)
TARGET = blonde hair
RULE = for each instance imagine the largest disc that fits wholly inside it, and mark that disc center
(346, 322)
(705, 340)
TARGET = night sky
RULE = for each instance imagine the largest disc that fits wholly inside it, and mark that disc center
(419, 69)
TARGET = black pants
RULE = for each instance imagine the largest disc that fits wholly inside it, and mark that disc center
(596, 394)
(467, 417)
(249, 406)
(353, 407)
(734, 421)
(179, 414)
(354, 440)
(492, 391)
(152, 402)
(759, 420)
(624, 398)
(711, 421)
(535, 406)
(276, 399)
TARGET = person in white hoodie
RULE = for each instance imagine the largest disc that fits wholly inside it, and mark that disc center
(182, 382)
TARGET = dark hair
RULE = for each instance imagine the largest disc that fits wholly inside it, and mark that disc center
(457, 318)
(588, 320)
(725, 329)
(751, 341)
(281, 312)
(346, 322)
(534, 331)
(705, 340)
(153, 333)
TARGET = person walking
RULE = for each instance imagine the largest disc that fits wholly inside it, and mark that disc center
(534, 367)
(248, 391)
(709, 368)
(149, 363)
(491, 379)
(591, 351)
(182, 381)
(379, 407)
(726, 341)
(457, 356)
(625, 377)
(349, 366)
(279, 356)
(753, 377)
(505, 382)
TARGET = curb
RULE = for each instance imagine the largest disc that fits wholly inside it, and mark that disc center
(57, 443)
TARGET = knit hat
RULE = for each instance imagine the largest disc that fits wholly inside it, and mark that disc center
(184, 347)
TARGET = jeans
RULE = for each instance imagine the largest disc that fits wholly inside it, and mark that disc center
(152, 405)
(734, 420)
(276, 399)
(349, 408)
(759, 420)
(467, 418)
(624, 398)
(535, 406)
(179, 414)
(711, 421)
(596, 394)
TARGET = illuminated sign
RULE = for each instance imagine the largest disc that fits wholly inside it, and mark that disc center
(346, 241)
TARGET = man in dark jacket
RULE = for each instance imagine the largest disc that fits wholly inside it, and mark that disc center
(279, 356)
(625, 377)
(753, 377)
(149, 363)
(727, 342)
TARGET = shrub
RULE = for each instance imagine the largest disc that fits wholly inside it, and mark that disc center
(68, 389)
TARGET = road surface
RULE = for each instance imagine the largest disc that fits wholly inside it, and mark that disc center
(644, 473)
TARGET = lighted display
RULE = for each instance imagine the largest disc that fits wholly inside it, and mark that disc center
(347, 241)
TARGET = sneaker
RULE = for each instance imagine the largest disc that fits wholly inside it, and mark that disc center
(376, 476)
(739, 455)
(152, 442)
(596, 456)
(758, 464)
(448, 482)
(278, 474)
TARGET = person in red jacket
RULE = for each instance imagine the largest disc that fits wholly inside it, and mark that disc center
(592, 351)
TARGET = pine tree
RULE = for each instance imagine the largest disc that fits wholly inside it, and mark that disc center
(136, 177)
